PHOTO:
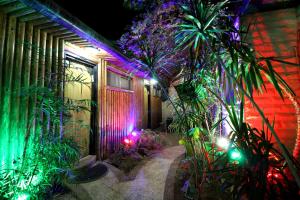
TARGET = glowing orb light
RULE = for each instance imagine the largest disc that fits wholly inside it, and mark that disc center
(134, 133)
(223, 143)
(22, 196)
(126, 141)
(153, 81)
(235, 155)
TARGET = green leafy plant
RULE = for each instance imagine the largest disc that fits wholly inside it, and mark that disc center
(48, 155)
(209, 31)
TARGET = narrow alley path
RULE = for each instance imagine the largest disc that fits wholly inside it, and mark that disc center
(149, 183)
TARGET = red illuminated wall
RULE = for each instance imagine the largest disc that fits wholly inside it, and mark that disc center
(275, 34)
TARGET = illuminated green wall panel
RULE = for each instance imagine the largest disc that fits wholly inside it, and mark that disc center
(26, 59)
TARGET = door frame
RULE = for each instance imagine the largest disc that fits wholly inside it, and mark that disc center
(149, 109)
(94, 90)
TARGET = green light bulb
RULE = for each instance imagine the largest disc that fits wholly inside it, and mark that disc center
(22, 196)
(235, 155)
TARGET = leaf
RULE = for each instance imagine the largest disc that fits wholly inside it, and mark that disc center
(272, 78)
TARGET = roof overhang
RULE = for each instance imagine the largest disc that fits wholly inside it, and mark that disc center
(57, 14)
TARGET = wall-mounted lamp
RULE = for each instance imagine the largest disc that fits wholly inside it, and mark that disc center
(153, 81)
(146, 82)
(92, 50)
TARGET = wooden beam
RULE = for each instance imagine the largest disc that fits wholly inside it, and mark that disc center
(21, 12)
(73, 38)
(81, 43)
(4, 2)
(54, 29)
(41, 21)
(31, 17)
(11, 7)
(58, 33)
(87, 45)
(64, 35)
(47, 25)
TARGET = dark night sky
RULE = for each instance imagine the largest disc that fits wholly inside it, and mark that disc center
(107, 17)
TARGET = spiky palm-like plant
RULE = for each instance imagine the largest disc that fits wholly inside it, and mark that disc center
(209, 31)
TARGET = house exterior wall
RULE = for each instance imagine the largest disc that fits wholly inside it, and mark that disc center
(274, 34)
(32, 50)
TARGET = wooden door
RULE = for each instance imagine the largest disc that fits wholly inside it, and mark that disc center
(80, 92)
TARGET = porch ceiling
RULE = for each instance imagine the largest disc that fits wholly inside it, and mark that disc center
(53, 20)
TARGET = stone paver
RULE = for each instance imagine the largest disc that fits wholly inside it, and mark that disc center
(149, 183)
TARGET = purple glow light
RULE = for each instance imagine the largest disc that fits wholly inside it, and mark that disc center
(134, 133)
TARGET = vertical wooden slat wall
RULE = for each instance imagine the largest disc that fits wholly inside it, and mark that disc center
(25, 60)
(119, 118)
(101, 108)
(120, 111)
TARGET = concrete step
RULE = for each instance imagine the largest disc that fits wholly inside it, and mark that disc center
(86, 163)
(85, 191)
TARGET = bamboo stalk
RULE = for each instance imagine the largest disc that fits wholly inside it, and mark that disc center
(104, 90)
(41, 69)
(34, 74)
(115, 116)
(17, 77)
(7, 86)
(54, 67)
(109, 125)
(54, 74)
(48, 61)
(120, 109)
(2, 47)
(113, 119)
(102, 110)
(60, 71)
(48, 64)
(42, 60)
(26, 71)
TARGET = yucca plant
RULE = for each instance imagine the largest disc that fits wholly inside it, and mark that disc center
(209, 31)
(261, 169)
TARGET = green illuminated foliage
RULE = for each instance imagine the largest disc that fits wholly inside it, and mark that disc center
(40, 155)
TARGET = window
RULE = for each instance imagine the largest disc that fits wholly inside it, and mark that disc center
(118, 81)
